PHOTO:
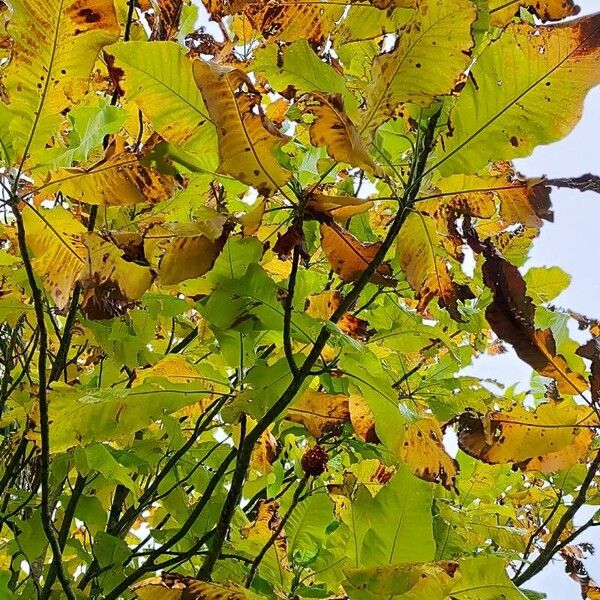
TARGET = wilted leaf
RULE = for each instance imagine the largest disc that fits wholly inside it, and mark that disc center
(420, 252)
(349, 257)
(247, 139)
(518, 435)
(547, 10)
(511, 316)
(322, 306)
(333, 128)
(118, 179)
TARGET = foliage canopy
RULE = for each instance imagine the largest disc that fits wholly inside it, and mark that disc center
(247, 250)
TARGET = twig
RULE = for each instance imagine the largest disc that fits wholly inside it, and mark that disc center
(46, 516)
(553, 545)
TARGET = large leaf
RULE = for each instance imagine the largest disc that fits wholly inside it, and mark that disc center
(247, 139)
(118, 179)
(485, 578)
(55, 45)
(526, 89)
(400, 523)
(158, 78)
(432, 51)
(532, 439)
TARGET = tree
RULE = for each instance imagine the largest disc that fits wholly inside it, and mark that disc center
(243, 265)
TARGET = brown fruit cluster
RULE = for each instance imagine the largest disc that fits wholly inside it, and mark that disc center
(314, 461)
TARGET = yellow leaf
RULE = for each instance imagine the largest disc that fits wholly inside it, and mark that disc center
(55, 45)
(180, 251)
(172, 586)
(423, 451)
(286, 21)
(334, 129)
(247, 139)
(527, 88)
(319, 412)
(118, 179)
(432, 52)
(502, 12)
(426, 269)
(518, 435)
(54, 237)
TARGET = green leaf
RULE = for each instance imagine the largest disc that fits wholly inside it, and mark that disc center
(546, 283)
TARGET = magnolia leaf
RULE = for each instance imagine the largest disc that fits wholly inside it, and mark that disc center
(247, 139)
(430, 580)
(349, 257)
(265, 453)
(287, 22)
(322, 306)
(340, 208)
(511, 316)
(172, 586)
(333, 128)
(546, 283)
(180, 251)
(79, 417)
(118, 179)
(54, 47)
(423, 451)
(158, 78)
(530, 75)
(484, 578)
(400, 511)
(298, 68)
(432, 51)
(502, 12)
(320, 413)
(54, 237)
(518, 435)
(426, 269)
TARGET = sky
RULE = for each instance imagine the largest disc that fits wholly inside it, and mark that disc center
(572, 242)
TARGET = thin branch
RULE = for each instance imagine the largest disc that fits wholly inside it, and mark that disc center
(288, 310)
(553, 545)
(46, 516)
(244, 456)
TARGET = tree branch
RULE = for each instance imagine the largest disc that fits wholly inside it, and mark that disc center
(244, 456)
(46, 516)
(553, 545)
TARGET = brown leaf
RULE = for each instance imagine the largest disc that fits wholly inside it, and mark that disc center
(591, 351)
(349, 257)
(511, 317)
